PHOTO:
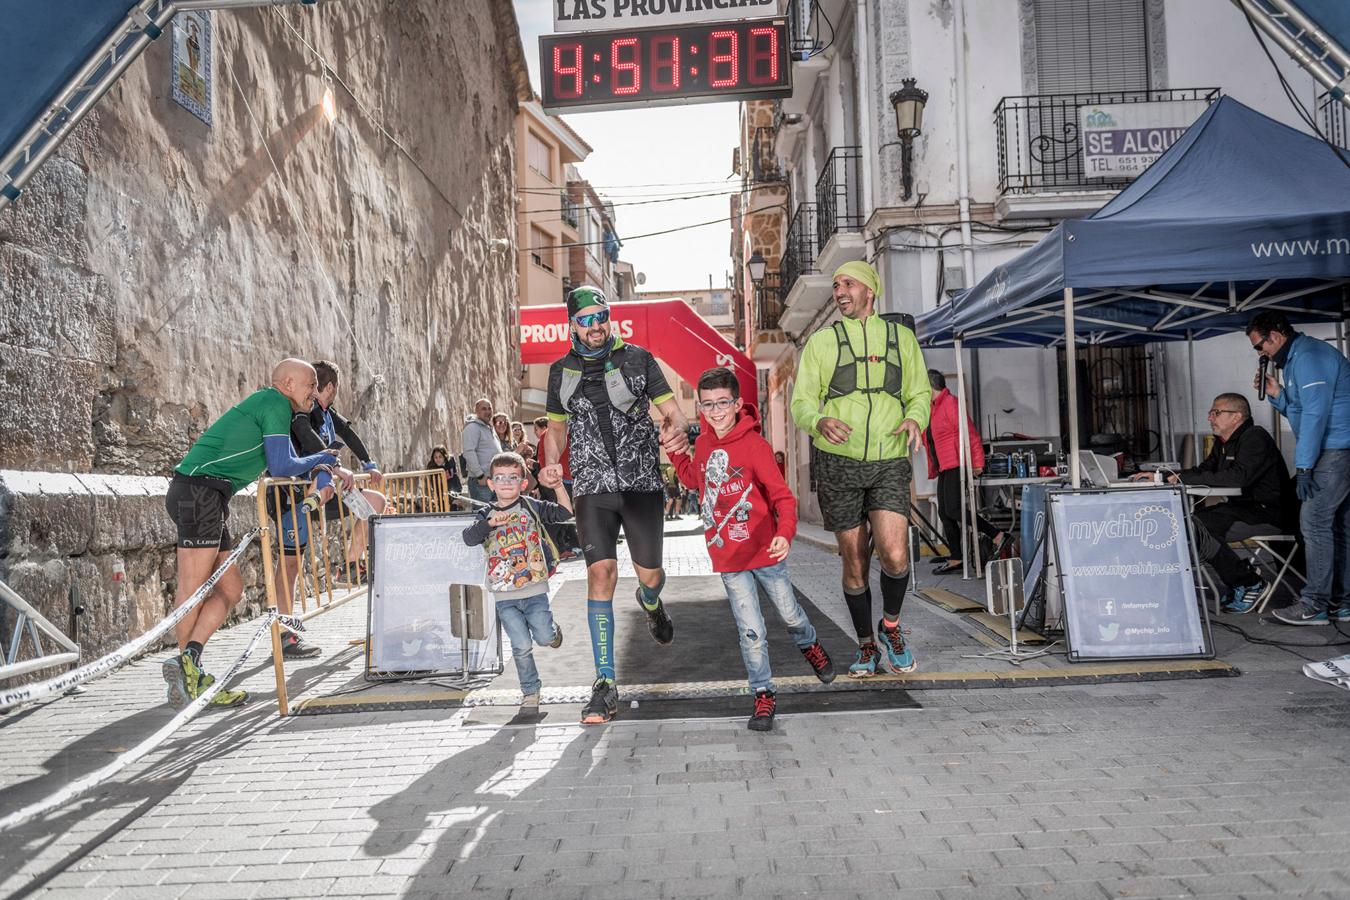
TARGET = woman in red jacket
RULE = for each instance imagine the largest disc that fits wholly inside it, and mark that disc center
(944, 463)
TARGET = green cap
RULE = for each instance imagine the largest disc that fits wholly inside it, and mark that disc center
(863, 273)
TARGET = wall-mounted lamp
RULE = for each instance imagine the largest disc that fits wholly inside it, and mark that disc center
(757, 265)
(908, 102)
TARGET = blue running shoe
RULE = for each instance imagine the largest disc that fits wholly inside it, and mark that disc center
(1244, 597)
(865, 663)
(895, 655)
(1301, 614)
(1341, 614)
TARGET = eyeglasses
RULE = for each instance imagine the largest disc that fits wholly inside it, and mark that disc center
(507, 479)
(710, 405)
(586, 320)
(1215, 413)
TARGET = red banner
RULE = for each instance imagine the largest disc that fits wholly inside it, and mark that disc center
(670, 329)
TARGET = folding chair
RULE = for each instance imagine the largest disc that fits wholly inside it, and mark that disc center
(1263, 544)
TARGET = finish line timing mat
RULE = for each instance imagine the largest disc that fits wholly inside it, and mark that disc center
(701, 672)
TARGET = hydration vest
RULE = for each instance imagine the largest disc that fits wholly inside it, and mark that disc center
(845, 378)
(620, 395)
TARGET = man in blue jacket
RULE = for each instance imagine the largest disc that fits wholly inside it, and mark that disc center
(1315, 398)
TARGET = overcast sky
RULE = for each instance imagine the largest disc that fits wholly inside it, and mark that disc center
(640, 146)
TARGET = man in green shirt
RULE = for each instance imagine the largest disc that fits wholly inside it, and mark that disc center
(251, 436)
(871, 378)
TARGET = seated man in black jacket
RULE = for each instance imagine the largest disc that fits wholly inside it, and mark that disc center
(1244, 456)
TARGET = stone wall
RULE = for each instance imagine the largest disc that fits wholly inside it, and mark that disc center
(157, 267)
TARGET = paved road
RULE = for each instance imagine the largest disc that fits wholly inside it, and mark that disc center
(1221, 787)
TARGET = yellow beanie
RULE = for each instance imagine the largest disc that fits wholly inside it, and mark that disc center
(863, 273)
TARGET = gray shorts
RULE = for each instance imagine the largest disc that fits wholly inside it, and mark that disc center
(848, 489)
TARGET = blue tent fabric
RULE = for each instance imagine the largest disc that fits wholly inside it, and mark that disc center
(1238, 201)
(42, 46)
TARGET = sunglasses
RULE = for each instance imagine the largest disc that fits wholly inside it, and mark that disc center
(586, 320)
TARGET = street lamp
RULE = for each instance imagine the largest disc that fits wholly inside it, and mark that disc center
(757, 264)
(908, 103)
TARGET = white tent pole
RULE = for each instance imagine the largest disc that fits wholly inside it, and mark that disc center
(1190, 397)
(1340, 337)
(1071, 374)
(963, 451)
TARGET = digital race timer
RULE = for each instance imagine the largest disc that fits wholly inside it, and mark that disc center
(745, 60)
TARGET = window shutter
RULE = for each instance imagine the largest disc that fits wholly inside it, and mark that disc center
(1091, 45)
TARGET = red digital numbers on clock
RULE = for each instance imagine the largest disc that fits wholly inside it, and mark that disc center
(732, 61)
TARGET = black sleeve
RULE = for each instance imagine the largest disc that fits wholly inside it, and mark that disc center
(1256, 453)
(349, 437)
(476, 533)
(553, 406)
(303, 435)
(657, 386)
(551, 513)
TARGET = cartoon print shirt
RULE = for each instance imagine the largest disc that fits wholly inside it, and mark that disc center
(517, 566)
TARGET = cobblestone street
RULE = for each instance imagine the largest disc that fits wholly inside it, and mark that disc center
(1221, 787)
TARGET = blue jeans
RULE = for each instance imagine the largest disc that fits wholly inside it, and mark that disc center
(750, 619)
(527, 621)
(1325, 521)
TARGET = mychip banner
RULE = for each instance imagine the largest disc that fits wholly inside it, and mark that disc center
(1128, 579)
(419, 567)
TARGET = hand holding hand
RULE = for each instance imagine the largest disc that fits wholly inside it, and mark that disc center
(778, 548)
(833, 430)
(1305, 486)
(550, 476)
(673, 439)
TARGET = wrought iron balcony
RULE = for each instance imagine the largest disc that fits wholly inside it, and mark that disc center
(769, 302)
(570, 211)
(838, 194)
(1335, 120)
(1039, 147)
(799, 253)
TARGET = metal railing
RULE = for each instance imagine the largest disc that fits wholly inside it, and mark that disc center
(768, 302)
(764, 168)
(1335, 120)
(1039, 147)
(570, 211)
(313, 563)
(799, 254)
(838, 194)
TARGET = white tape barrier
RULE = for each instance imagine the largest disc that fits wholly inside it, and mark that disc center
(94, 779)
(62, 683)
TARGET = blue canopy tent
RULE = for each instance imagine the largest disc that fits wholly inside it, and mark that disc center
(1242, 213)
(58, 59)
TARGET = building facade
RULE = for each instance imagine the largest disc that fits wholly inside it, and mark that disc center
(997, 162)
(548, 226)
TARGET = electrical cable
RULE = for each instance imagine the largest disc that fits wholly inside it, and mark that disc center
(1287, 645)
(820, 13)
(636, 237)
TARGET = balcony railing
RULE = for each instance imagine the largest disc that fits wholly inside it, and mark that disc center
(838, 196)
(1335, 120)
(1039, 147)
(570, 211)
(799, 254)
(769, 303)
(567, 286)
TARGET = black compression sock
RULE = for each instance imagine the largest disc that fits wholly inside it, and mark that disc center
(195, 649)
(893, 589)
(859, 602)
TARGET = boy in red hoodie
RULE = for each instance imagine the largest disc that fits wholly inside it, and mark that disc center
(750, 517)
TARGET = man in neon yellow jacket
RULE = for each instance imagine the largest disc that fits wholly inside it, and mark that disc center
(862, 392)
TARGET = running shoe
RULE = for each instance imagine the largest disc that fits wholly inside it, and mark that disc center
(1243, 598)
(762, 718)
(658, 621)
(176, 688)
(865, 663)
(292, 647)
(1340, 614)
(1301, 614)
(894, 654)
(604, 703)
(557, 636)
(198, 682)
(820, 662)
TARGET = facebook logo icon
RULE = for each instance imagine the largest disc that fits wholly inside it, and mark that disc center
(1109, 607)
